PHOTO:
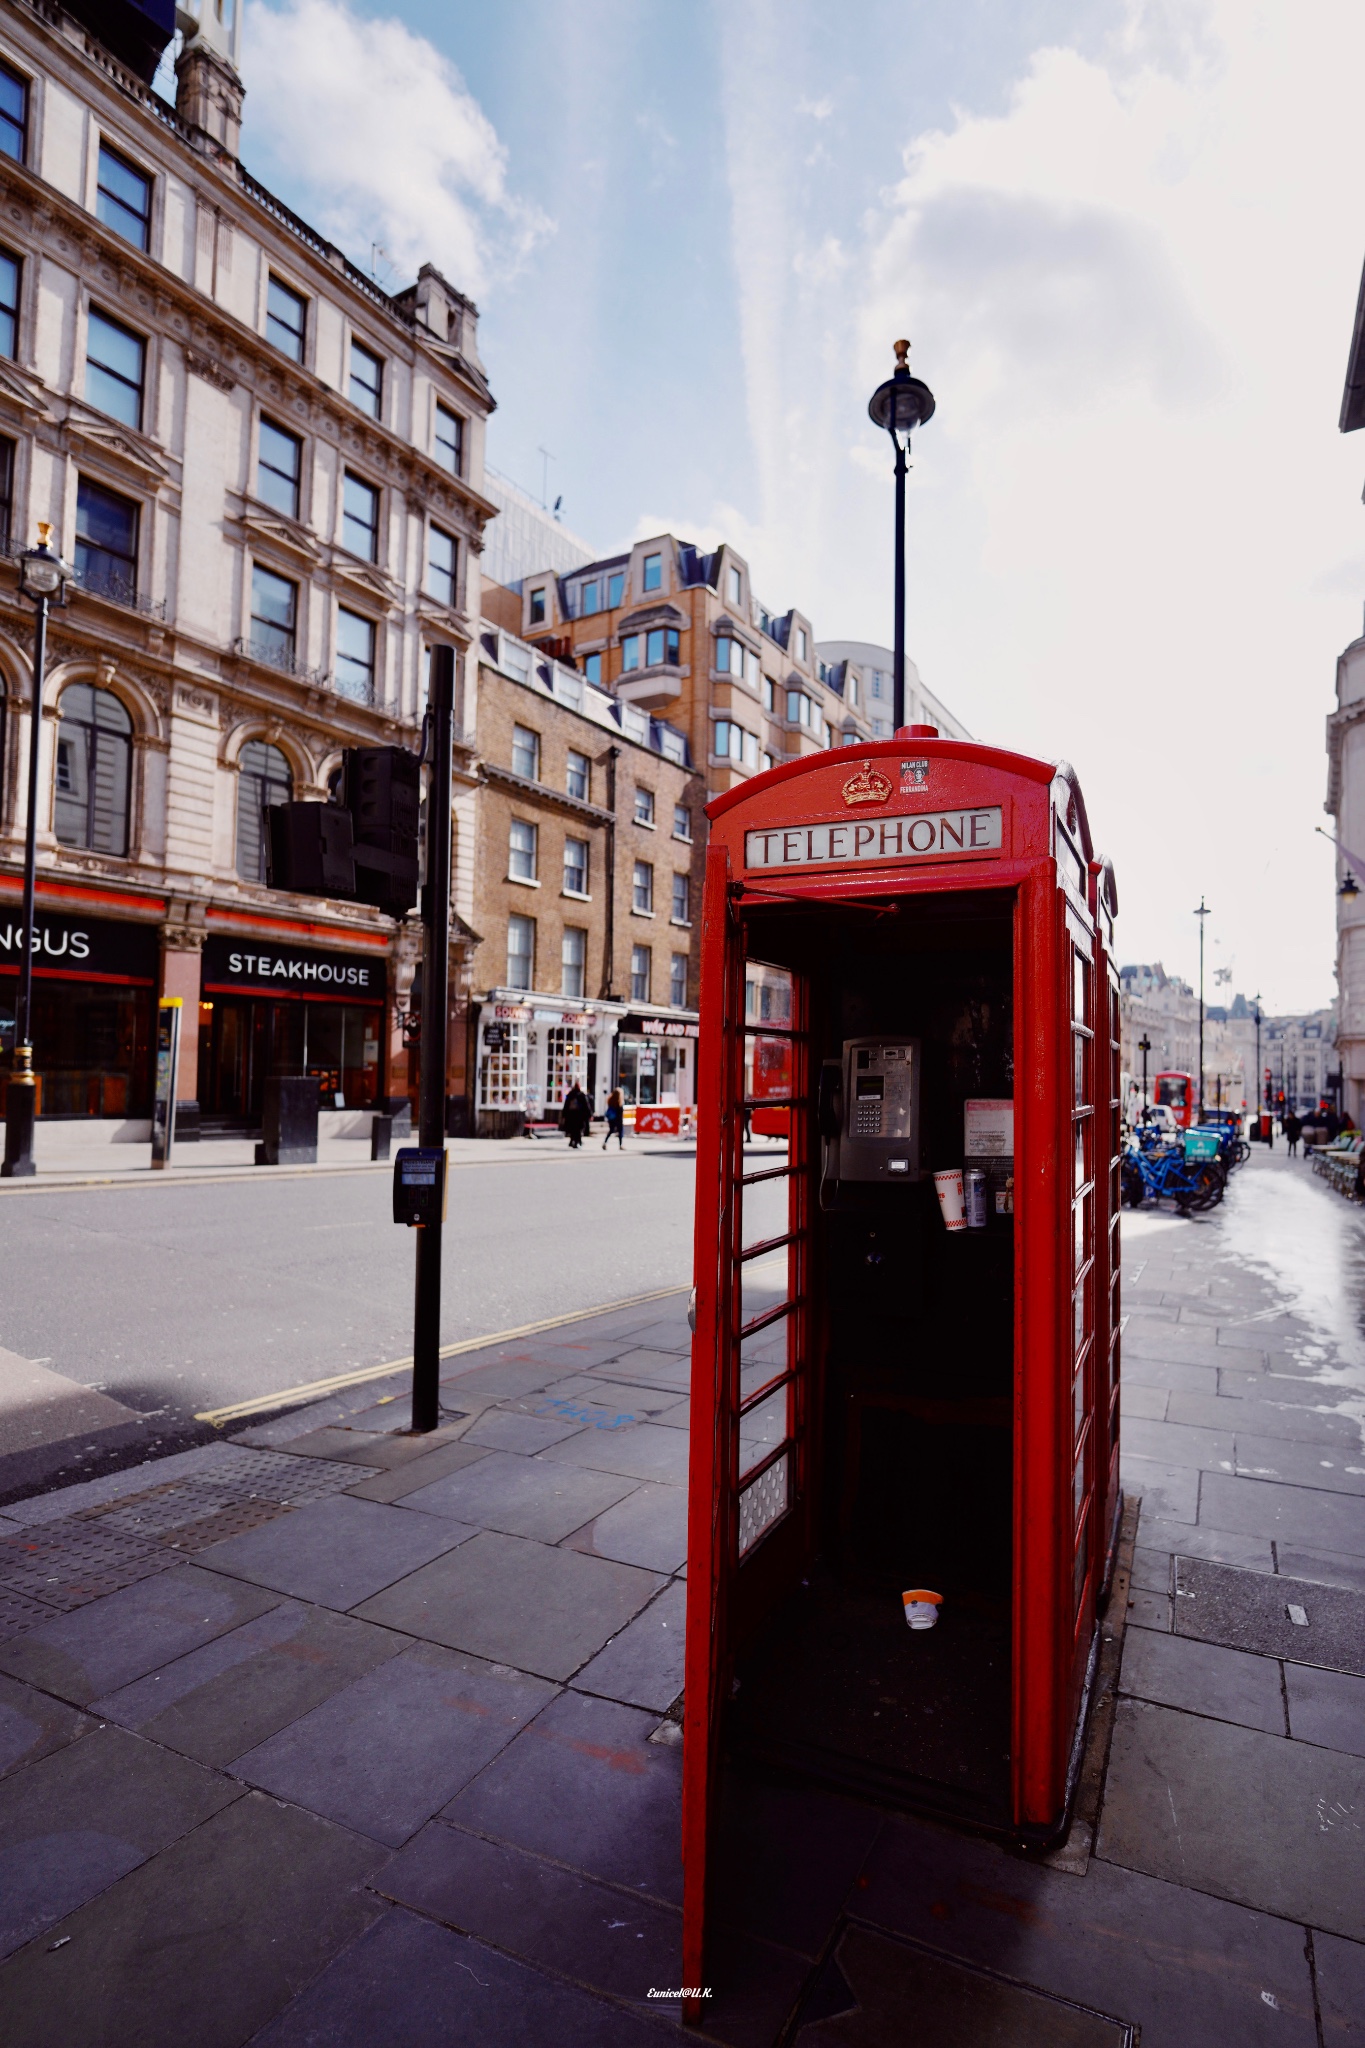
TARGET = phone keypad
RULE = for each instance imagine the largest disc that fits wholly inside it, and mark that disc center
(867, 1119)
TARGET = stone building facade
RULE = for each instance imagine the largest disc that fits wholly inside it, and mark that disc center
(266, 473)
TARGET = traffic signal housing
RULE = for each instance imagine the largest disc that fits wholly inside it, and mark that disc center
(308, 848)
(381, 788)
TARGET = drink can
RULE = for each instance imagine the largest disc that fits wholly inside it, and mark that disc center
(974, 1191)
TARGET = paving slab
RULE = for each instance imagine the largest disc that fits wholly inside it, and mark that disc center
(1326, 1707)
(1340, 1970)
(649, 1451)
(1203, 1678)
(381, 1449)
(871, 1984)
(648, 1528)
(259, 1898)
(411, 1984)
(79, 1819)
(1319, 1568)
(608, 1398)
(791, 1854)
(19, 1613)
(383, 1754)
(33, 1725)
(585, 1786)
(83, 1655)
(221, 1700)
(337, 1552)
(1281, 1389)
(1196, 1970)
(1316, 1465)
(644, 1664)
(608, 1939)
(485, 1385)
(1265, 1418)
(65, 1564)
(516, 1602)
(1179, 1443)
(1149, 1610)
(1254, 1553)
(1149, 1402)
(1170, 1492)
(401, 1480)
(1250, 1611)
(1270, 1823)
(521, 1496)
(647, 1367)
(505, 1429)
(1151, 1571)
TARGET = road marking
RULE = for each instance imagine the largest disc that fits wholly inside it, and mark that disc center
(288, 1396)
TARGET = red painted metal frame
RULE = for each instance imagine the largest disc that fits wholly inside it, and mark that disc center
(1062, 901)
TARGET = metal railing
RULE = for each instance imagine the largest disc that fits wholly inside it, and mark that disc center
(282, 658)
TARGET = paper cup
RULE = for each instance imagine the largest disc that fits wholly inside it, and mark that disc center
(921, 1607)
(948, 1188)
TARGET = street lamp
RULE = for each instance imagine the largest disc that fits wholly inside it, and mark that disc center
(898, 405)
(1202, 912)
(1350, 887)
(42, 577)
(1144, 1046)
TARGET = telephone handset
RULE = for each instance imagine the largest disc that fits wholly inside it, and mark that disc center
(869, 1110)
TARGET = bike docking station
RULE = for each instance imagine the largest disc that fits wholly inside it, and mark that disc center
(906, 1351)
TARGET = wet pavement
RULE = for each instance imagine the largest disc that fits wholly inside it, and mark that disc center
(330, 1735)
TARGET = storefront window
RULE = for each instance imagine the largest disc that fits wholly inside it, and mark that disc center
(94, 760)
(502, 1070)
(566, 1061)
(263, 780)
(638, 1071)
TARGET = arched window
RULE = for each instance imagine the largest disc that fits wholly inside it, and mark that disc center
(263, 779)
(94, 764)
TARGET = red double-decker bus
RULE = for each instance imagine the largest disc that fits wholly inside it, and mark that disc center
(1177, 1093)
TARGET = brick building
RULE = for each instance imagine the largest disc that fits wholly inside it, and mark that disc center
(578, 852)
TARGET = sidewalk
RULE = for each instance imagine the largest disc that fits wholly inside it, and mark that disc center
(324, 1735)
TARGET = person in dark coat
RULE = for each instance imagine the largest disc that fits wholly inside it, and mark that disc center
(616, 1120)
(575, 1116)
(1293, 1129)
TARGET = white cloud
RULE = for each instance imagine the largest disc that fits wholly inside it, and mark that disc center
(381, 133)
(1132, 520)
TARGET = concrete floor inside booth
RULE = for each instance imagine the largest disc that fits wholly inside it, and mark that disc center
(910, 1392)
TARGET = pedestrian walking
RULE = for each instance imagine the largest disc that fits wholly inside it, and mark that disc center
(574, 1117)
(616, 1120)
(1293, 1130)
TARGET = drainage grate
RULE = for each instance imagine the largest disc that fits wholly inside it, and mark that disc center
(1259, 1611)
(65, 1564)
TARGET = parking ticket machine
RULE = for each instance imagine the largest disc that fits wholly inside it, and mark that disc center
(905, 1361)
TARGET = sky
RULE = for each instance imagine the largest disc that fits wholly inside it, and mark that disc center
(1125, 240)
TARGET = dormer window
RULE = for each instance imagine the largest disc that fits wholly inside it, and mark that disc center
(653, 572)
(591, 600)
(538, 607)
(801, 644)
(616, 589)
(736, 586)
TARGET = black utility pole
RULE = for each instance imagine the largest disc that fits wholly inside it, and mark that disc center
(42, 575)
(1144, 1046)
(611, 757)
(900, 404)
(431, 1109)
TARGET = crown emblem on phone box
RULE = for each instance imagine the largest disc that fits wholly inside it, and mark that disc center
(867, 786)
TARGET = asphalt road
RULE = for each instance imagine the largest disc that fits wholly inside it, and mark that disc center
(174, 1297)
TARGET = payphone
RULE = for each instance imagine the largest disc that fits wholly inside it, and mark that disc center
(881, 1402)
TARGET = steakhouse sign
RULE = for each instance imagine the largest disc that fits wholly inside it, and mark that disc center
(866, 840)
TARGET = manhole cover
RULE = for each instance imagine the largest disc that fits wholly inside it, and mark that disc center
(874, 1992)
(1221, 1603)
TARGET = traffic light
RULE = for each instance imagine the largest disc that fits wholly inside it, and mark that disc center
(308, 849)
(381, 789)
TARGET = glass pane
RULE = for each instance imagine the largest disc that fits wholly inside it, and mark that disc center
(767, 1067)
(1082, 1564)
(1080, 1046)
(1082, 1148)
(764, 1208)
(1080, 988)
(767, 994)
(761, 1504)
(1078, 1318)
(1077, 1405)
(1078, 1486)
(763, 1283)
(1083, 1229)
(763, 1429)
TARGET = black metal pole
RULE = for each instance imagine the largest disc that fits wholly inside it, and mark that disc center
(21, 1094)
(898, 653)
(431, 1107)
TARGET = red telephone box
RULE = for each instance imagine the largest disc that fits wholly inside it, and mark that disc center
(882, 1404)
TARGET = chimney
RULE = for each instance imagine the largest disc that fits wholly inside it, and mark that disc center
(208, 90)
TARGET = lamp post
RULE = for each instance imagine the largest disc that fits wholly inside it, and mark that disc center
(1144, 1046)
(898, 405)
(42, 576)
(1202, 912)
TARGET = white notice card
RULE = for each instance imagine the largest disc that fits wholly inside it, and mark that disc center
(989, 1128)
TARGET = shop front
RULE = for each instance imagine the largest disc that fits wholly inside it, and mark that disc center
(94, 1010)
(268, 1009)
(531, 1051)
(656, 1060)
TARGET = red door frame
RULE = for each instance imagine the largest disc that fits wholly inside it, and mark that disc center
(1044, 860)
